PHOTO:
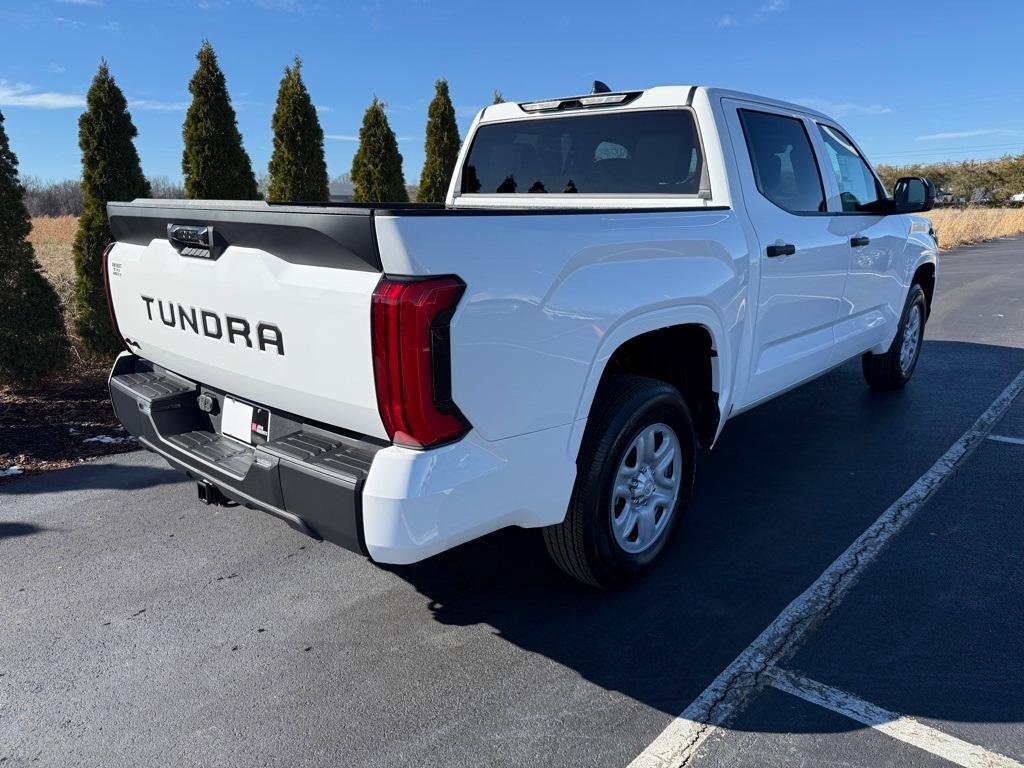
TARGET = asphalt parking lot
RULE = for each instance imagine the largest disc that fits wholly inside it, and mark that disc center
(142, 629)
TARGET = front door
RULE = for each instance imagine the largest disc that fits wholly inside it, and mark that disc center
(875, 287)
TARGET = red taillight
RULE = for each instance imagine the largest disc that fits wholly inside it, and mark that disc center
(412, 359)
(106, 291)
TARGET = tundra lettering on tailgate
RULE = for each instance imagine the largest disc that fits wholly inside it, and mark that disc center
(204, 322)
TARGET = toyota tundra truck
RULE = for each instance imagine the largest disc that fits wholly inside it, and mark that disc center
(611, 278)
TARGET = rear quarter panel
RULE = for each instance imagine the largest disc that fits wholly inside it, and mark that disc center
(549, 296)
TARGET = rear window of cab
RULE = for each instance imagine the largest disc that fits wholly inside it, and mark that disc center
(654, 152)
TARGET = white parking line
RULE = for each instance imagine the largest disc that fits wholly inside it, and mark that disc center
(905, 729)
(1005, 439)
(728, 692)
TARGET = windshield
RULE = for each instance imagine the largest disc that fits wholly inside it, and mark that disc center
(640, 152)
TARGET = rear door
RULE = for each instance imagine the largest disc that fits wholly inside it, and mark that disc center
(802, 260)
(270, 304)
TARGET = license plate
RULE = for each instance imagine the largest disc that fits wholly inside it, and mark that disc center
(244, 422)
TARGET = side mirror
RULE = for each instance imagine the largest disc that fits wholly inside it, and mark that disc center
(913, 194)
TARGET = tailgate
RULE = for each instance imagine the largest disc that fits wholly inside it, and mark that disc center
(268, 303)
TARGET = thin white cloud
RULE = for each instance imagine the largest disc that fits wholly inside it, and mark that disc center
(844, 108)
(286, 6)
(729, 21)
(73, 23)
(158, 106)
(952, 135)
(297, 7)
(350, 137)
(22, 95)
(56, 68)
(323, 109)
(78, 2)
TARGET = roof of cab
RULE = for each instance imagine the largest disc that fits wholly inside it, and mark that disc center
(657, 96)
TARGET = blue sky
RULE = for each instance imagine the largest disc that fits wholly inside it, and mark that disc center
(911, 80)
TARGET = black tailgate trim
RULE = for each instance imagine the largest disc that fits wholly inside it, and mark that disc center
(337, 238)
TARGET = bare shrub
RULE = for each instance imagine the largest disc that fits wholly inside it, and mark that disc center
(53, 198)
(993, 182)
(165, 189)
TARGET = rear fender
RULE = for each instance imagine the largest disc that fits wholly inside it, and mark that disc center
(637, 325)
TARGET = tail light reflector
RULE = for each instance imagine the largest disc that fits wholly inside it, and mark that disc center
(412, 359)
(106, 291)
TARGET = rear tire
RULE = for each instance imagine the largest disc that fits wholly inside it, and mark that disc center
(635, 475)
(893, 369)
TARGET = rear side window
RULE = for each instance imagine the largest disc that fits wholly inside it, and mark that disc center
(648, 153)
(784, 166)
(858, 187)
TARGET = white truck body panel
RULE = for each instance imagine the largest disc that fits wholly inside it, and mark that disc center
(521, 358)
(324, 314)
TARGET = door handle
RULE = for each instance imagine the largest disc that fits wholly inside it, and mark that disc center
(859, 241)
(786, 249)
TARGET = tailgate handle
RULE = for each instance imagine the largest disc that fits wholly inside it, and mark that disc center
(191, 240)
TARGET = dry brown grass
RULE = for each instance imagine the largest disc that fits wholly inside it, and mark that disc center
(975, 225)
(52, 237)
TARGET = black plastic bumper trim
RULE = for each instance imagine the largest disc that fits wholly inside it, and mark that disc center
(234, 494)
(317, 490)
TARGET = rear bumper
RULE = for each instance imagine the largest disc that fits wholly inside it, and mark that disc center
(307, 476)
(394, 504)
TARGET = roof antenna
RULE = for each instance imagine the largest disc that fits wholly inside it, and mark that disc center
(600, 87)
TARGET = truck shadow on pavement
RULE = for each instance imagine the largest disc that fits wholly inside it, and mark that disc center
(100, 475)
(789, 487)
(12, 530)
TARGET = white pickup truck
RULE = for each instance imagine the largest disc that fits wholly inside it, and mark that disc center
(612, 277)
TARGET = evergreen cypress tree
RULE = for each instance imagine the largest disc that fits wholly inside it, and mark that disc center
(498, 98)
(441, 147)
(297, 168)
(33, 341)
(377, 166)
(110, 171)
(214, 164)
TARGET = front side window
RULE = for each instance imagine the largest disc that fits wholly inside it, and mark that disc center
(783, 161)
(858, 187)
(641, 152)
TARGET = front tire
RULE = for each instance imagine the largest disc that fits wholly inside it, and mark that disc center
(635, 475)
(893, 369)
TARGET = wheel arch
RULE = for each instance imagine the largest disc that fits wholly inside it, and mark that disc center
(703, 373)
(924, 275)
